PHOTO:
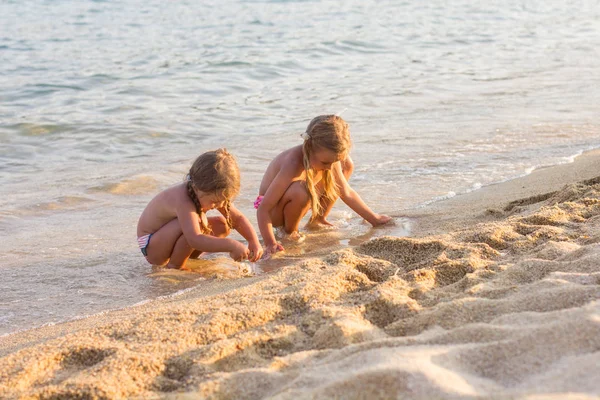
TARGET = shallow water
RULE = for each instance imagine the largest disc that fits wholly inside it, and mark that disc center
(103, 104)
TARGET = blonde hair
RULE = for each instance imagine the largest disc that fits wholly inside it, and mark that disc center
(214, 172)
(324, 132)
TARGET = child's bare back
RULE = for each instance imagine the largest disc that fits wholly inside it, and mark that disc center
(162, 209)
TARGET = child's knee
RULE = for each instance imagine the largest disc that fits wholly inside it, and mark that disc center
(219, 226)
(297, 192)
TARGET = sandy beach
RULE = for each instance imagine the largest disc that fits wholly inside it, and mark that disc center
(495, 295)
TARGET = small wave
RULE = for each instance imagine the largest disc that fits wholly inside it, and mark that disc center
(166, 296)
(446, 196)
(260, 22)
(474, 187)
(135, 186)
(32, 129)
(62, 203)
(230, 64)
(58, 87)
(501, 78)
(355, 46)
(571, 158)
(527, 171)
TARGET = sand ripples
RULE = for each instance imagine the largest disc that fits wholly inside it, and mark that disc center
(508, 307)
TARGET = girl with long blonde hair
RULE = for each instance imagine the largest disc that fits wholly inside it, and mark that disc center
(173, 227)
(310, 176)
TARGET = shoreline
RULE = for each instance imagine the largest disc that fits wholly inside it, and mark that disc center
(496, 290)
(424, 221)
(449, 213)
(433, 219)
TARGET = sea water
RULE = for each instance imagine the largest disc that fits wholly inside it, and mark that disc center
(105, 103)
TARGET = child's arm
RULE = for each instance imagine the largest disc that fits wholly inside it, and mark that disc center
(353, 199)
(244, 227)
(274, 193)
(188, 220)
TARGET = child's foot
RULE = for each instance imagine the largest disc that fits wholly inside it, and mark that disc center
(296, 237)
(382, 220)
(320, 223)
(182, 268)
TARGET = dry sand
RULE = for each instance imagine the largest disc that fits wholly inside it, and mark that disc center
(496, 296)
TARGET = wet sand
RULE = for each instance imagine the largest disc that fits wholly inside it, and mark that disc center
(495, 295)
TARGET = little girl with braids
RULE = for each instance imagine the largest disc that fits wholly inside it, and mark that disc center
(174, 226)
(309, 176)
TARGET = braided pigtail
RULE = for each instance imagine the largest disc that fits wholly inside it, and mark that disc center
(204, 227)
(193, 196)
(228, 214)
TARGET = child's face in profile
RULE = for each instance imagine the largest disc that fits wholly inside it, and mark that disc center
(210, 201)
(322, 159)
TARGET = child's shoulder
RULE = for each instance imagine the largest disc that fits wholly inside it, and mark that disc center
(292, 158)
(176, 191)
(169, 199)
(176, 187)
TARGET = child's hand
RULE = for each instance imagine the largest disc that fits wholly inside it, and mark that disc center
(272, 249)
(382, 220)
(275, 248)
(239, 252)
(256, 251)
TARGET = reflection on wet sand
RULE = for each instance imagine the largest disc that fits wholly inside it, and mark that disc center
(314, 243)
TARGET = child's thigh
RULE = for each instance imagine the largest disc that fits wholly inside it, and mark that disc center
(162, 242)
(296, 193)
(295, 197)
